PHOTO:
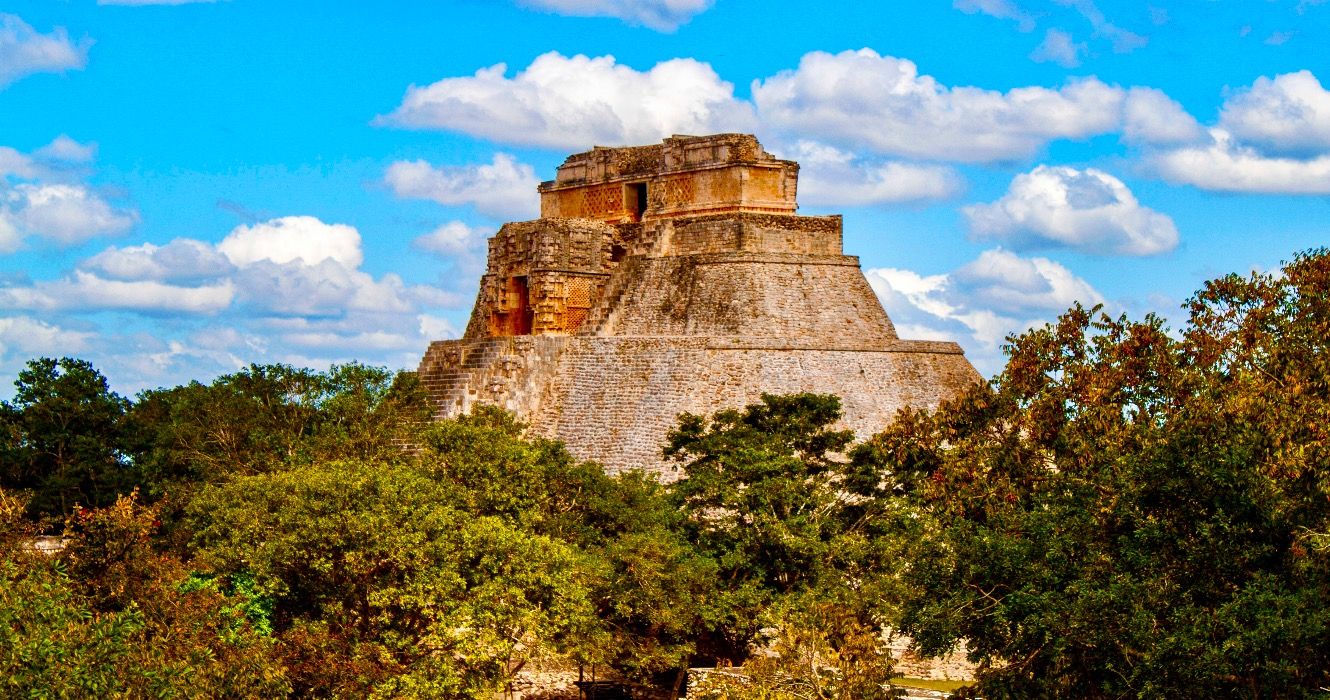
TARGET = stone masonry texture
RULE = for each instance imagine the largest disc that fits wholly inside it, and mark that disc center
(677, 278)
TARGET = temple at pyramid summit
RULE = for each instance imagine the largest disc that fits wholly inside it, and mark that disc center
(677, 277)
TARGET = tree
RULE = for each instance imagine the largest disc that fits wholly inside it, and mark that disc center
(109, 617)
(243, 423)
(531, 482)
(368, 413)
(648, 585)
(1126, 512)
(382, 586)
(655, 591)
(768, 496)
(267, 417)
(66, 437)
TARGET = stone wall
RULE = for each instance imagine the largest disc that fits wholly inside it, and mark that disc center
(809, 298)
(546, 276)
(955, 666)
(747, 232)
(612, 400)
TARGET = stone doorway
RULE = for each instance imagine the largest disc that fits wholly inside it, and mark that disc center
(635, 197)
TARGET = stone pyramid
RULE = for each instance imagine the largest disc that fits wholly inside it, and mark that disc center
(669, 278)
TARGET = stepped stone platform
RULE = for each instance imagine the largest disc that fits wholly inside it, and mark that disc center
(669, 278)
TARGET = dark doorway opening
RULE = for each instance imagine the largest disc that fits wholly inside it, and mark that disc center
(523, 314)
(637, 200)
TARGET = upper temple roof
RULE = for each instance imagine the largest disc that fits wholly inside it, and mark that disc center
(675, 154)
(682, 175)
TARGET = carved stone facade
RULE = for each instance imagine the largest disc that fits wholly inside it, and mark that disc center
(670, 278)
(684, 176)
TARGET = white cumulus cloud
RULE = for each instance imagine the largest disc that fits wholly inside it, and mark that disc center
(1007, 283)
(1087, 210)
(14, 163)
(183, 259)
(1272, 137)
(67, 214)
(289, 267)
(326, 288)
(52, 161)
(1288, 115)
(66, 150)
(86, 291)
(503, 188)
(829, 176)
(24, 51)
(574, 102)
(661, 15)
(10, 238)
(437, 327)
(1152, 117)
(452, 238)
(463, 246)
(289, 289)
(41, 197)
(300, 266)
(367, 341)
(873, 104)
(860, 98)
(1225, 165)
(398, 337)
(293, 238)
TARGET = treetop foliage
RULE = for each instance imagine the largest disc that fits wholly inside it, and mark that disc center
(1127, 512)
(65, 436)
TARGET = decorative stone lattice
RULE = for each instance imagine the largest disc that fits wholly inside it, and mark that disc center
(602, 201)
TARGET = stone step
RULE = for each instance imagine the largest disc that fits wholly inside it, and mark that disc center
(600, 314)
(452, 372)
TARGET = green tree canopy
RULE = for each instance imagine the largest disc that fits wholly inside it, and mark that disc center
(1127, 512)
(769, 498)
(110, 617)
(382, 585)
(65, 437)
(266, 417)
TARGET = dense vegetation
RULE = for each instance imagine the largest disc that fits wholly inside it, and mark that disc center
(1124, 511)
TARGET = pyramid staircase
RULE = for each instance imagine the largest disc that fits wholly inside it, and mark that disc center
(452, 371)
(600, 317)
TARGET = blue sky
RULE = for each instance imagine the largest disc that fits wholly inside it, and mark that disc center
(188, 187)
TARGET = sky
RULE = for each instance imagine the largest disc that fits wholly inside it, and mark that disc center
(188, 187)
